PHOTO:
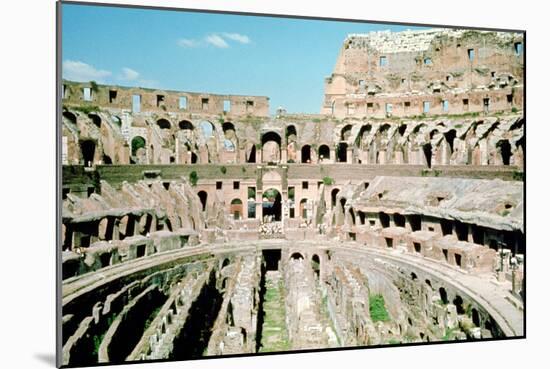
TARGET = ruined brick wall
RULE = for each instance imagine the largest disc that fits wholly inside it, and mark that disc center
(428, 72)
(158, 100)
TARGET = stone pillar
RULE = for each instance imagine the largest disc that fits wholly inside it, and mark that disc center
(398, 157)
(259, 202)
(284, 156)
(349, 155)
(177, 151)
(332, 155)
(381, 157)
(470, 234)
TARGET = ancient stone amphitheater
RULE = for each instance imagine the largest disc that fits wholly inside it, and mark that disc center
(198, 224)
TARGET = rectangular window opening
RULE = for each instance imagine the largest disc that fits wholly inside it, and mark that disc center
(236, 185)
(160, 100)
(112, 96)
(219, 185)
(383, 61)
(136, 103)
(305, 185)
(426, 106)
(87, 93)
(471, 54)
(183, 102)
(204, 102)
(226, 106)
(445, 104)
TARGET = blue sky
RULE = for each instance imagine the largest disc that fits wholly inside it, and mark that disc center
(284, 59)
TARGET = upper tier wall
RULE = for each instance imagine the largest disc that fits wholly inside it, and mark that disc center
(157, 100)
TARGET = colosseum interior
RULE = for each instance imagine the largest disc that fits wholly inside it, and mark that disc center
(196, 224)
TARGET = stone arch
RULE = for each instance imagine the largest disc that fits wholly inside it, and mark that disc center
(306, 154)
(207, 128)
(505, 151)
(88, 148)
(164, 123)
(290, 134)
(271, 147)
(323, 152)
(342, 152)
(186, 125)
(203, 196)
(296, 256)
(272, 204)
(236, 209)
(345, 133)
(361, 140)
(316, 265)
(96, 120)
(333, 195)
(69, 116)
(137, 142)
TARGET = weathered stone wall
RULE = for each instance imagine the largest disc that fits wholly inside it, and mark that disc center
(454, 71)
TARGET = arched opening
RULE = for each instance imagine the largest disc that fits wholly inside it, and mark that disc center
(352, 216)
(203, 196)
(297, 256)
(414, 277)
(505, 151)
(228, 128)
(363, 135)
(164, 124)
(402, 129)
(333, 195)
(306, 154)
(194, 158)
(427, 149)
(399, 220)
(137, 143)
(324, 152)
(225, 263)
(316, 265)
(384, 220)
(446, 226)
(290, 134)
(87, 148)
(271, 205)
(107, 159)
(271, 147)
(207, 129)
(303, 208)
(459, 303)
(450, 138)
(342, 152)
(237, 209)
(345, 133)
(186, 125)
(96, 120)
(69, 116)
(415, 221)
(251, 158)
(443, 296)
(475, 317)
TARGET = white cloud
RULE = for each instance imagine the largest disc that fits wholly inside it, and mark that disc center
(243, 39)
(217, 41)
(82, 72)
(185, 42)
(129, 74)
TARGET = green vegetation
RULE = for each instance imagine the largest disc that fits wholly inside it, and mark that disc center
(377, 309)
(251, 193)
(223, 170)
(137, 143)
(449, 334)
(517, 175)
(93, 86)
(274, 331)
(514, 109)
(98, 338)
(328, 181)
(86, 109)
(193, 178)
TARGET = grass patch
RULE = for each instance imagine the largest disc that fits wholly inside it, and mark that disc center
(377, 309)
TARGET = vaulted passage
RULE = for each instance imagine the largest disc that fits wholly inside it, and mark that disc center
(193, 338)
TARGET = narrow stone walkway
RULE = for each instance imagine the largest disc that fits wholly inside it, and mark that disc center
(274, 331)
